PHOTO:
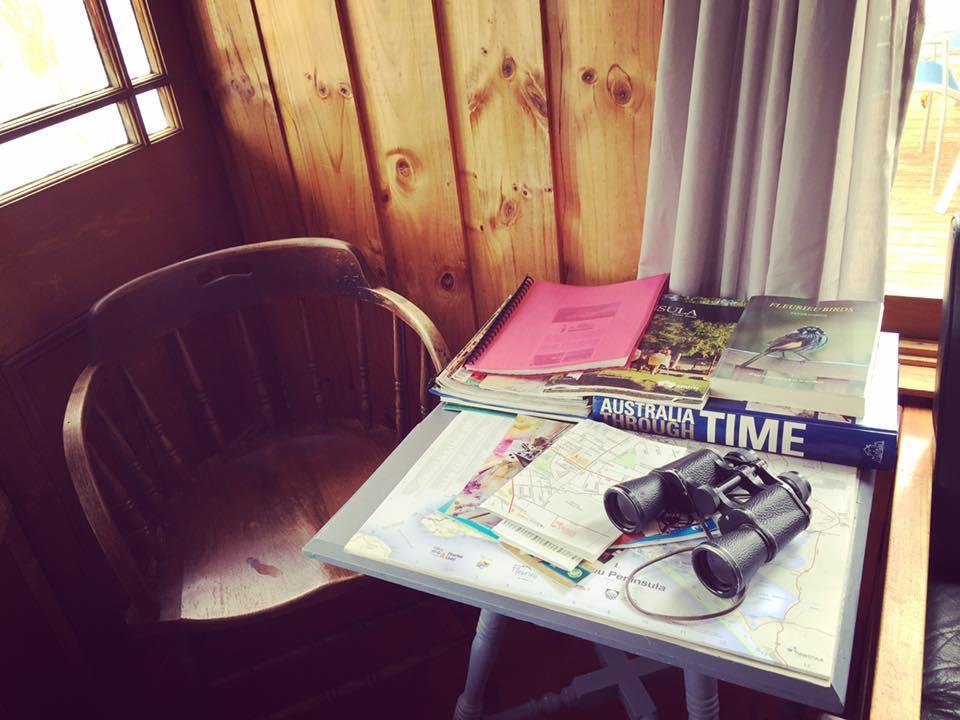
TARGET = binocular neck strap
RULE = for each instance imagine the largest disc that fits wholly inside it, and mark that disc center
(737, 600)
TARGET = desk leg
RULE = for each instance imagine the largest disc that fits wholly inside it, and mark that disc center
(702, 700)
(483, 652)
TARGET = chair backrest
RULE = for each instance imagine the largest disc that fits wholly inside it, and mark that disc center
(188, 359)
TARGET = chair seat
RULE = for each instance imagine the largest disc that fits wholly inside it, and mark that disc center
(239, 530)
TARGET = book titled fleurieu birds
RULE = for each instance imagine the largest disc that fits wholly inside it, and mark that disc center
(800, 353)
(867, 442)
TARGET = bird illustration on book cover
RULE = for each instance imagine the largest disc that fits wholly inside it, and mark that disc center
(784, 351)
(793, 345)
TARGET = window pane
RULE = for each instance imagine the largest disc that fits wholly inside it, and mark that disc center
(128, 35)
(151, 108)
(47, 55)
(60, 146)
(918, 222)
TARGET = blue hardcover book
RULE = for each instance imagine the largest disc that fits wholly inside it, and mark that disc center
(867, 442)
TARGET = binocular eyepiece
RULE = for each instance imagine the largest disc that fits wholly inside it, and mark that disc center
(752, 531)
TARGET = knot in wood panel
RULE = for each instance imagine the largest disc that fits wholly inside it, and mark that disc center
(344, 90)
(508, 67)
(405, 166)
(535, 97)
(243, 87)
(320, 86)
(509, 212)
(619, 85)
(588, 75)
(447, 280)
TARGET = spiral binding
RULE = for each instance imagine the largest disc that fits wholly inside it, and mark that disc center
(497, 325)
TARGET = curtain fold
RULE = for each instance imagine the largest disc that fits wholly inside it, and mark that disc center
(774, 141)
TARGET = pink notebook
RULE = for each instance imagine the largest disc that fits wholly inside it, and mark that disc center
(547, 327)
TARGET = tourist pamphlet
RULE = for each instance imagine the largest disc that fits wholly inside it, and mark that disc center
(800, 353)
(548, 327)
(674, 360)
(559, 496)
(527, 439)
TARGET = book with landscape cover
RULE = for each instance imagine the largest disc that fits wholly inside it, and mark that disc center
(868, 442)
(800, 353)
(548, 327)
(675, 357)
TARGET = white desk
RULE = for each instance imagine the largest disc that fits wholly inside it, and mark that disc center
(702, 667)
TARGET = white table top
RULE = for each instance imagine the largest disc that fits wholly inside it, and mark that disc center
(328, 545)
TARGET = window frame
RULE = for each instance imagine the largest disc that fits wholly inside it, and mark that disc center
(121, 91)
(913, 317)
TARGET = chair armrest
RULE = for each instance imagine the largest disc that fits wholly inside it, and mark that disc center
(416, 319)
(898, 666)
(80, 465)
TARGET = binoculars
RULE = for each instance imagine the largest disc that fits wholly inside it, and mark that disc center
(759, 513)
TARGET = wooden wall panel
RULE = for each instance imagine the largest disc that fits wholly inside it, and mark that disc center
(461, 145)
(396, 66)
(603, 59)
(497, 100)
(227, 41)
(318, 109)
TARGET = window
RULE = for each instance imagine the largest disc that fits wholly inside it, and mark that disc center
(923, 197)
(81, 82)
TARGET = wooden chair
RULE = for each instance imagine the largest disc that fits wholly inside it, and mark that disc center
(226, 415)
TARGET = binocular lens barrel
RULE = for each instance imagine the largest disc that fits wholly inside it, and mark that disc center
(727, 563)
(631, 505)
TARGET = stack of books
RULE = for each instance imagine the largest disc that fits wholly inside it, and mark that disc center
(797, 378)
(786, 375)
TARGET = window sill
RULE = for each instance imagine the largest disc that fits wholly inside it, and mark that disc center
(918, 369)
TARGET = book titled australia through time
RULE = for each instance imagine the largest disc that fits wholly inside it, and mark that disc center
(801, 353)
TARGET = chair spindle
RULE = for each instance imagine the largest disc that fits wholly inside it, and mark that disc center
(176, 462)
(202, 398)
(423, 381)
(399, 371)
(256, 373)
(362, 367)
(313, 370)
(147, 486)
(126, 506)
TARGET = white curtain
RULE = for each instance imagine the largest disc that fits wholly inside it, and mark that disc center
(774, 144)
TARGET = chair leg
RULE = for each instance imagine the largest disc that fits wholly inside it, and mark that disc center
(926, 123)
(483, 653)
